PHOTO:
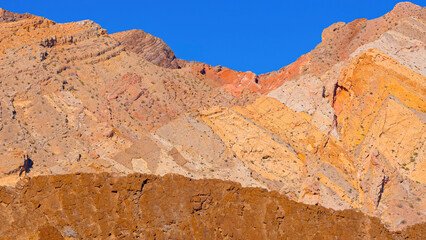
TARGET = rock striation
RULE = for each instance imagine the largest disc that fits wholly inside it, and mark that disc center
(152, 48)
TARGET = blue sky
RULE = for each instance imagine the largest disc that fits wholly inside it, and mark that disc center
(257, 36)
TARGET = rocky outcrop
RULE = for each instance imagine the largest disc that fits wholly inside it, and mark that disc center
(339, 41)
(6, 16)
(151, 207)
(152, 48)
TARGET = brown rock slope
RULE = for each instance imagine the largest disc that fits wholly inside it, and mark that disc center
(95, 206)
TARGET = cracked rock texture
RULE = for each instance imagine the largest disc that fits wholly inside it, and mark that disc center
(100, 206)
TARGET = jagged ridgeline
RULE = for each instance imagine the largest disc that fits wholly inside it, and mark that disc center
(101, 206)
(340, 133)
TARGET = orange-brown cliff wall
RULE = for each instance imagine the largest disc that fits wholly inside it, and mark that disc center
(137, 206)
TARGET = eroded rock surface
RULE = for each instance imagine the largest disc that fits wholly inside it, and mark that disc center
(150, 47)
(82, 206)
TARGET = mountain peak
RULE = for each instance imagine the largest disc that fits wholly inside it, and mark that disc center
(405, 9)
(150, 47)
(406, 6)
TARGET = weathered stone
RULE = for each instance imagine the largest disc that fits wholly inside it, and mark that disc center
(145, 206)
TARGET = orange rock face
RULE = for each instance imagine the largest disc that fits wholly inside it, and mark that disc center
(143, 206)
(371, 80)
(379, 107)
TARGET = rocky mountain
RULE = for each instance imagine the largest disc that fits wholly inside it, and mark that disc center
(341, 128)
(150, 47)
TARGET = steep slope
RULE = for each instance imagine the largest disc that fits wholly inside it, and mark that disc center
(150, 47)
(380, 107)
(139, 206)
(287, 153)
(399, 34)
(339, 41)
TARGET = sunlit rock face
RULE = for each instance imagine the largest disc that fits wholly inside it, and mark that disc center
(343, 127)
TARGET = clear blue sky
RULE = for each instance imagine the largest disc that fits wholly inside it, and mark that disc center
(257, 36)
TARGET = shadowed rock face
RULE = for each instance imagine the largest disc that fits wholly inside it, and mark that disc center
(83, 206)
(150, 47)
